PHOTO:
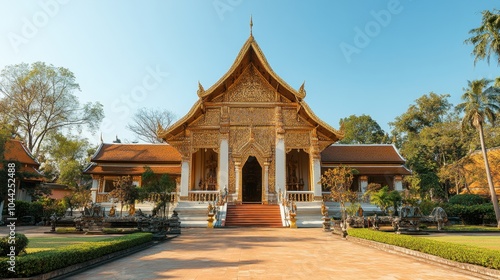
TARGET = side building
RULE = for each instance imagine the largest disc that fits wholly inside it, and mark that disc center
(112, 161)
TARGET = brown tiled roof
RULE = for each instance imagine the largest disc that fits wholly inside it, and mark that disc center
(348, 154)
(137, 153)
(131, 170)
(15, 150)
(380, 170)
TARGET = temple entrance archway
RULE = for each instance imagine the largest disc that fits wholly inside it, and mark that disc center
(252, 181)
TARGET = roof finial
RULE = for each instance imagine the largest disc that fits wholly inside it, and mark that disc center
(251, 25)
(101, 138)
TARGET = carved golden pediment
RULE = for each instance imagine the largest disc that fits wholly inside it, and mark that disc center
(251, 87)
(210, 118)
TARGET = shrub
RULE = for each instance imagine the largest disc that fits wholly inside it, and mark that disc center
(22, 208)
(21, 241)
(455, 252)
(470, 215)
(467, 199)
(426, 206)
(46, 261)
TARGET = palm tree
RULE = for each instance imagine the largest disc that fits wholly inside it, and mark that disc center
(486, 38)
(480, 103)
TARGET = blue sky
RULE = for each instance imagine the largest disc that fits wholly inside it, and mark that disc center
(356, 57)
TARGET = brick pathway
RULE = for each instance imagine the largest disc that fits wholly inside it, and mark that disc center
(259, 253)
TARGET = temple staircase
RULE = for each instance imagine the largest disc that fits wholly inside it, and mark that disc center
(253, 215)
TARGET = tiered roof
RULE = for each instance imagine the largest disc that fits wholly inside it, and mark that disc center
(374, 159)
(16, 151)
(251, 54)
(117, 158)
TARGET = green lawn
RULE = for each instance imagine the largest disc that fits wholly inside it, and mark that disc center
(479, 240)
(46, 243)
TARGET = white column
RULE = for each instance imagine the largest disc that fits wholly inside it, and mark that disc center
(363, 184)
(280, 162)
(266, 182)
(185, 166)
(94, 189)
(316, 177)
(223, 176)
(398, 183)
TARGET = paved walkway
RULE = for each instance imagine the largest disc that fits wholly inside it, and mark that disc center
(257, 253)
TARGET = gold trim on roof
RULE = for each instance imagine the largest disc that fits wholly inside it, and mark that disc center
(247, 55)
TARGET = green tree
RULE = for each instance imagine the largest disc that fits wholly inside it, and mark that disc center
(429, 138)
(482, 103)
(125, 192)
(428, 110)
(384, 199)
(65, 159)
(39, 99)
(158, 189)
(362, 130)
(486, 38)
(339, 180)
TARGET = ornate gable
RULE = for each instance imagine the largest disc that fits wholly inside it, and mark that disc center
(251, 87)
(248, 93)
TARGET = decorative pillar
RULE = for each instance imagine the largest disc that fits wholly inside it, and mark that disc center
(315, 159)
(363, 184)
(94, 189)
(185, 167)
(266, 182)
(280, 162)
(223, 176)
(398, 183)
(316, 178)
(280, 152)
(237, 180)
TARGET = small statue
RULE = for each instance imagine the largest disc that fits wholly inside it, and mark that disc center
(210, 208)
(360, 212)
(324, 211)
(112, 211)
(131, 210)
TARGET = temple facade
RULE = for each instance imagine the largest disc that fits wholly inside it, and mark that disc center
(250, 136)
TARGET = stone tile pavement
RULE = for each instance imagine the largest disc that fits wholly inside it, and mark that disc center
(263, 253)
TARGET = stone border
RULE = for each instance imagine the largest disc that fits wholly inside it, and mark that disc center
(471, 269)
(65, 272)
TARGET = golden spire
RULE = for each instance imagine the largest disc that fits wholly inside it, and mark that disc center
(251, 25)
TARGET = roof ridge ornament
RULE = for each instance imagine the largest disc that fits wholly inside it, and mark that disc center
(201, 90)
(251, 26)
(302, 90)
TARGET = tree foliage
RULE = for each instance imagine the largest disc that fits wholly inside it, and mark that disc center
(339, 180)
(125, 192)
(486, 38)
(39, 99)
(362, 130)
(481, 104)
(157, 188)
(145, 123)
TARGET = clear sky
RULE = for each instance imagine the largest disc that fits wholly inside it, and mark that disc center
(356, 57)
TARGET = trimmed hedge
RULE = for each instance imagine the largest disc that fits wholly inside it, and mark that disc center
(471, 214)
(455, 252)
(46, 261)
(467, 199)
